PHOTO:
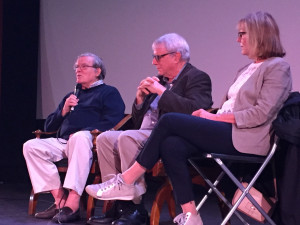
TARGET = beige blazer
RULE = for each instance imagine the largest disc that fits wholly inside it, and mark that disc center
(257, 104)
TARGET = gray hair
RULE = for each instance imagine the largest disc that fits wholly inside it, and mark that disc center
(174, 43)
(98, 63)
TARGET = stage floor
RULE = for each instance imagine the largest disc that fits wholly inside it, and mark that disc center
(14, 206)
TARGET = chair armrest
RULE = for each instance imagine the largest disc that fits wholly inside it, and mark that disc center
(39, 133)
(158, 169)
(122, 122)
(96, 132)
(213, 110)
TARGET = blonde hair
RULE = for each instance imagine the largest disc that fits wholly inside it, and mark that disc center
(264, 36)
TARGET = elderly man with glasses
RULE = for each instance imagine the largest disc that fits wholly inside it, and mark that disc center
(92, 105)
(179, 87)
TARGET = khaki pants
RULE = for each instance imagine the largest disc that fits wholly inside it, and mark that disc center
(40, 155)
(117, 151)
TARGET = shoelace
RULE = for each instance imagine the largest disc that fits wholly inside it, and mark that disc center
(108, 183)
(115, 181)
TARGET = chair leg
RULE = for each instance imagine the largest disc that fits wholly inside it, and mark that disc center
(224, 209)
(222, 206)
(213, 188)
(90, 208)
(32, 203)
(107, 205)
(245, 191)
(164, 194)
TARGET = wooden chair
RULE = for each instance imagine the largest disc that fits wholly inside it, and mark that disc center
(163, 195)
(62, 167)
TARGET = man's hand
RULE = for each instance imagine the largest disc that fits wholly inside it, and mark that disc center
(147, 86)
(70, 102)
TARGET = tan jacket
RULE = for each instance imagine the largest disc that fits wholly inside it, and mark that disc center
(257, 104)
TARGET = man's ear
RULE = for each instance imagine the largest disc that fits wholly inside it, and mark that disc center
(178, 57)
(98, 71)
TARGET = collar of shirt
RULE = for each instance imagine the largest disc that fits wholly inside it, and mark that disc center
(169, 85)
(96, 83)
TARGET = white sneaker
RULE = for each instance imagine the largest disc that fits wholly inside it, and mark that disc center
(92, 189)
(115, 188)
(188, 219)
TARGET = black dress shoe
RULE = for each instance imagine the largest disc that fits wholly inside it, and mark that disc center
(66, 215)
(134, 215)
(114, 213)
(103, 220)
(48, 213)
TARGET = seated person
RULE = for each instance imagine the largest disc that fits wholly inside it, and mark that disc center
(95, 106)
(179, 87)
(242, 125)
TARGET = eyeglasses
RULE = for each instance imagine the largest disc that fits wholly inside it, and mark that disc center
(241, 34)
(158, 57)
(82, 67)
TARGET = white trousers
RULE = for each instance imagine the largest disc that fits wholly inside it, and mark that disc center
(40, 155)
(117, 151)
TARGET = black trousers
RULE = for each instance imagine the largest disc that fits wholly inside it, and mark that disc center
(176, 138)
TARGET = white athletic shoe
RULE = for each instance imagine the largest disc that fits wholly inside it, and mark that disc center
(115, 188)
(188, 219)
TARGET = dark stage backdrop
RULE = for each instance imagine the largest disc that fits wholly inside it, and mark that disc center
(19, 41)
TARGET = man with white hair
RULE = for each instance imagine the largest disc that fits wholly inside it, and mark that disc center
(94, 105)
(179, 87)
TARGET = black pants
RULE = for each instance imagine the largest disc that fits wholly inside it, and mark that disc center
(176, 138)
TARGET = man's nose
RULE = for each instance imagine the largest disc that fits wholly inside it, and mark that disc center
(154, 61)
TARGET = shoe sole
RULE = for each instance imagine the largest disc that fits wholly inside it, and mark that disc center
(124, 198)
(92, 193)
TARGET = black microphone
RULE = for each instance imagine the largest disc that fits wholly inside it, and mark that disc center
(76, 92)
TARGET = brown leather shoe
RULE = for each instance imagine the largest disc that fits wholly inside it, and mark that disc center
(48, 213)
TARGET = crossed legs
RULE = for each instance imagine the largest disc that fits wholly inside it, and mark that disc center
(176, 138)
(117, 151)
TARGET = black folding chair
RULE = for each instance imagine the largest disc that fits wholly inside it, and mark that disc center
(225, 162)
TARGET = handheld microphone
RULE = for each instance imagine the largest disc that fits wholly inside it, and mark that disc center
(76, 92)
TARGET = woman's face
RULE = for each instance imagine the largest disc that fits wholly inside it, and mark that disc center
(243, 39)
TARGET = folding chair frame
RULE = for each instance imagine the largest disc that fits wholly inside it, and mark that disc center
(245, 191)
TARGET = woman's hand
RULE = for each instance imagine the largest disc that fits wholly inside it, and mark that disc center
(225, 117)
(204, 114)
